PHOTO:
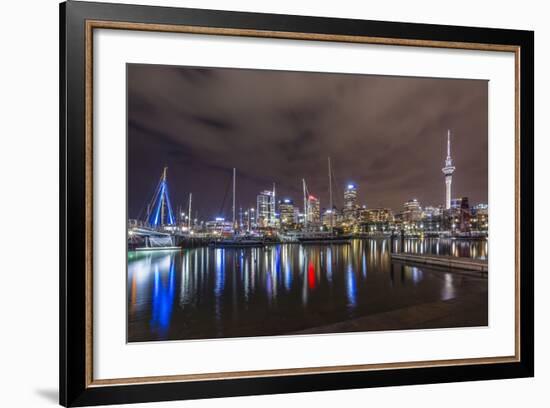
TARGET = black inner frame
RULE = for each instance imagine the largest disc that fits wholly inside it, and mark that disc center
(73, 391)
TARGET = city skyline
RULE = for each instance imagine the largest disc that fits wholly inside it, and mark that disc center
(387, 170)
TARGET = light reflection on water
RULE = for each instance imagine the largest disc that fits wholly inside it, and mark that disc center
(461, 248)
(207, 293)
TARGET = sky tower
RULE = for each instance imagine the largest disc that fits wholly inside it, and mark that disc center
(448, 171)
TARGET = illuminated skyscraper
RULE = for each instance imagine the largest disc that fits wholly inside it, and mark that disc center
(448, 171)
(287, 211)
(265, 208)
(350, 202)
(313, 210)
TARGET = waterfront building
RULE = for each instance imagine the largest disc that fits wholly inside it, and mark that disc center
(465, 215)
(480, 217)
(379, 215)
(448, 171)
(328, 215)
(432, 220)
(336, 216)
(350, 203)
(376, 219)
(287, 212)
(412, 211)
(362, 214)
(313, 210)
(265, 209)
(459, 215)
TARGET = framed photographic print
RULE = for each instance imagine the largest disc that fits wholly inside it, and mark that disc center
(255, 203)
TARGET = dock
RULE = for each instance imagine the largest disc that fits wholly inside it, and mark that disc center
(237, 244)
(327, 241)
(451, 262)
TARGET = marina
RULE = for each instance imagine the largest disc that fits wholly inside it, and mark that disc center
(162, 228)
(280, 268)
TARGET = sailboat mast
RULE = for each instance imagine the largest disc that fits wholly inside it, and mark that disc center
(234, 181)
(274, 207)
(330, 194)
(305, 202)
(162, 199)
(189, 212)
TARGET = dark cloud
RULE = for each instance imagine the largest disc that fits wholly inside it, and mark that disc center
(387, 134)
(215, 124)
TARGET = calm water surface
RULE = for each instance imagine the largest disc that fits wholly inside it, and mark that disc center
(208, 292)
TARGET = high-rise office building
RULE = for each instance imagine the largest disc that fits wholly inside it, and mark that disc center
(313, 210)
(265, 209)
(350, 203)
(287, 212)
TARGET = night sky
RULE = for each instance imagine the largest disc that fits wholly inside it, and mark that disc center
(385, 134)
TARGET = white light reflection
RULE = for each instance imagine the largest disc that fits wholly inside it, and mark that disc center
(448, 290)
(416, 274)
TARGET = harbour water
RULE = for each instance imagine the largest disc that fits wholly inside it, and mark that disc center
(289, 288)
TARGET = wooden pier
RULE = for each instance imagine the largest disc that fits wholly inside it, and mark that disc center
(452, 262)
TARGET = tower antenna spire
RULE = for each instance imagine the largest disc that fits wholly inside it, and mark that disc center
(449, 143)
(305, 202)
